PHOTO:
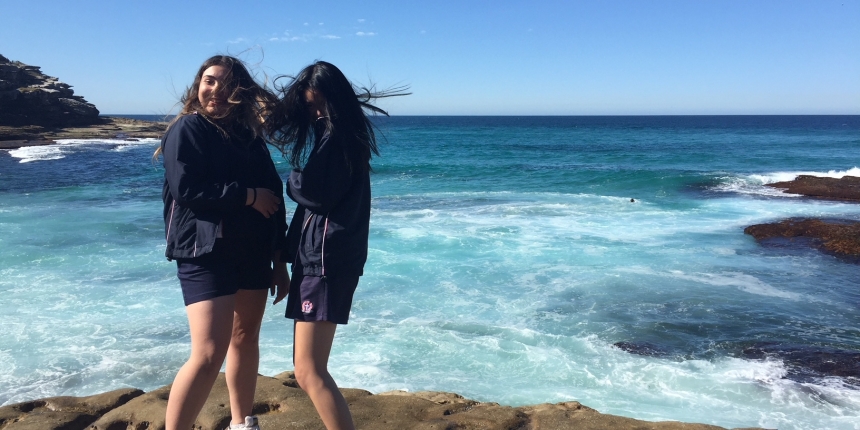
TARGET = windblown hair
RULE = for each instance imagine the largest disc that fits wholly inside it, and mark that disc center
(292, 129)
(247, 102)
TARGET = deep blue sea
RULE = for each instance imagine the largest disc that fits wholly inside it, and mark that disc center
(508, 257)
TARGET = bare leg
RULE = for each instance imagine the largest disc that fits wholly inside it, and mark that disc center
(243, 357)
(209, 322)
(312, 348)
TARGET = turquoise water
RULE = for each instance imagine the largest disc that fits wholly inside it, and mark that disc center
(506, 260)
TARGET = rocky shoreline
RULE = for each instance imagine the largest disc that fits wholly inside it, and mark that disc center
(280, 404)
(837, 237)
(37, 109)
(107, 127)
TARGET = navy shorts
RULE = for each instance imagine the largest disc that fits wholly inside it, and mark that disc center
(315, 298)
(233, 265)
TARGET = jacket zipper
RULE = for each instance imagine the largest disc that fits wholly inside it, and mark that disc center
(322, 257)
(302, 237)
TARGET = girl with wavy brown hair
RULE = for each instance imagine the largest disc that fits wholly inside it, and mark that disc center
(225, 225)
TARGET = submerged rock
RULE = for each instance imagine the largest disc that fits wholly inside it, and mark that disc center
(642, 348)
(838, 237)
(280, 404)
(29, 97)
(807, 362)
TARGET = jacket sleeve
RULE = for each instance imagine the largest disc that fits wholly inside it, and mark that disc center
(185, 163)
(324, 181)
(281, 239)
(281, 214)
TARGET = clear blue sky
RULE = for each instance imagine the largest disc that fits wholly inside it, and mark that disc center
(465, 57)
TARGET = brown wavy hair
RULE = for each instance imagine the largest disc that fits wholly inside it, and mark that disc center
(248, 103)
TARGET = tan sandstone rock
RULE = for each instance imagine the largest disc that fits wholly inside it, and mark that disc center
(281, 404)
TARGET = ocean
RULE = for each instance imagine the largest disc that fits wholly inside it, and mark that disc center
(517, 260)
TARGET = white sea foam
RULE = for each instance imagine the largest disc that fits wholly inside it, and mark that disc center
(755, 184)
(62, 147)
(38, 153)
(769, 178)
(742, 281)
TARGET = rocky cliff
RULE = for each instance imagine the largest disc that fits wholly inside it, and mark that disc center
(29, 97)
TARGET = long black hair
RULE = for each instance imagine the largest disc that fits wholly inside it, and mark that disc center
(292, 129)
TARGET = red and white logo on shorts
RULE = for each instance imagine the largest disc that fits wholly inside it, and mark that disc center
(307, 307)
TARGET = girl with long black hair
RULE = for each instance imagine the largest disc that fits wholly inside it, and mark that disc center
(322, 125)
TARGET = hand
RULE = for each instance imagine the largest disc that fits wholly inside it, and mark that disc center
(266, 202)
(280, 281)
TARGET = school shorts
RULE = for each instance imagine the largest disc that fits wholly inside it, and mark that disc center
(233, 265)
(316, 298)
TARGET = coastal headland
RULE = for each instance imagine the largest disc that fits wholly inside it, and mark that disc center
(281, 404)
(38, 109)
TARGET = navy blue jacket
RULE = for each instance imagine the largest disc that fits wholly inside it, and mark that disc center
(329, 231)
(204, 193)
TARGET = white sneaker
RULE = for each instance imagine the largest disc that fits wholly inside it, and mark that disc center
(250, 424)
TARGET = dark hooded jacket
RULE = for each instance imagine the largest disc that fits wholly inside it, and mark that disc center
(205, 181)
(328, 234)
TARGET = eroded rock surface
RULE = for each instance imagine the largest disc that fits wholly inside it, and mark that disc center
(104, 128)
(838, 237)
(29, 97)
(280, 404)
(844, 188)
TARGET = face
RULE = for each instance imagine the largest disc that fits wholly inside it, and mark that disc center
(315, 103)
(211, 82)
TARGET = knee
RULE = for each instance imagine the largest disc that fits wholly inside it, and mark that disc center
(244, 339)
(308, 377)
(208, 359)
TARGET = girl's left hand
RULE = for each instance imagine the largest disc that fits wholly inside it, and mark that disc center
(280, 282)
(263, 200)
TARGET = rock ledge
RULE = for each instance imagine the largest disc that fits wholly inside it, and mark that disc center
(280, 404)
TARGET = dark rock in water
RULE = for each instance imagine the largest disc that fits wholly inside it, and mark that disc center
(845, 188)
(807, 362)
(642, 348)
(838, 237)
(29, 97)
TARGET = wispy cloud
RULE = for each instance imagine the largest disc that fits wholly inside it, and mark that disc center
(305, 37)
(362, 34)
(290, 39)
(361, 20)
(238, 40)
